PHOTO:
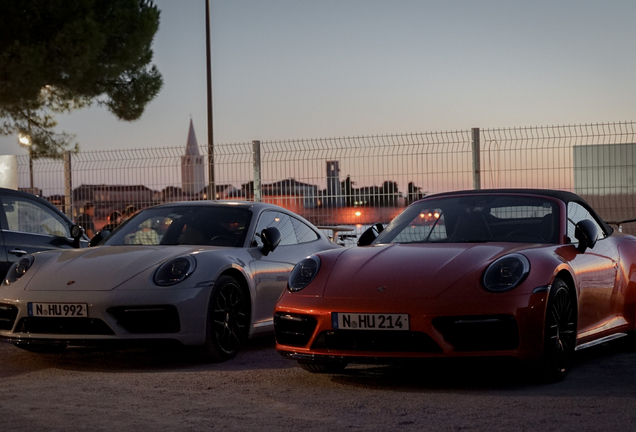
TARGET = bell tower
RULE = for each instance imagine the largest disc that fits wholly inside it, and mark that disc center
(192, 166)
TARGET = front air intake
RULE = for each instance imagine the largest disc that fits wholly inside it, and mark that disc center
(479, 332)
(147, 319)
(293, 329)
(8, 314)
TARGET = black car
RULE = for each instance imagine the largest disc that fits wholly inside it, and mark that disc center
(30, 224)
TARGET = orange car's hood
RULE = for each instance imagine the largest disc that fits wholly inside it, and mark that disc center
(408, 270)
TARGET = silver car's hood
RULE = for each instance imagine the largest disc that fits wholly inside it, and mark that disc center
(96, 269)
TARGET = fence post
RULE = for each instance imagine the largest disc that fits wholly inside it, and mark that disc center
(256, 157)
(68, 185)
(476, 159)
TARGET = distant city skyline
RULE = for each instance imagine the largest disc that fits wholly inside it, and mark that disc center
(284, 69)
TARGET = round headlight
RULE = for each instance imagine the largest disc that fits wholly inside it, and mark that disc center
(175, 270)
(506, 273)
(303, 273)
(18, 269)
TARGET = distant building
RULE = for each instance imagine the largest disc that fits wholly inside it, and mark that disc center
(292, 188)
(604, 176)
(192, 166)
(223, 192)
(333, 197)
(604, 169)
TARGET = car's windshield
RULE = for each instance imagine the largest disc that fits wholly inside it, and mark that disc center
(185, 225)
(479, 218)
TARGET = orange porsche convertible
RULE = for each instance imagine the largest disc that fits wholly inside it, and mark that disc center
(524, 273)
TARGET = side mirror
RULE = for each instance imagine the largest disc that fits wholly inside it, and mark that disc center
(99, 237)
(77, 232)
(370, 234)
(270, 238)
(586, 233)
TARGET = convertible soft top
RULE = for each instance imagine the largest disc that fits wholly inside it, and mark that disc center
(562, 195)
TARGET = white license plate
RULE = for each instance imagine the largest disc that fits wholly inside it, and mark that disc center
(361, 321)
(69, 310)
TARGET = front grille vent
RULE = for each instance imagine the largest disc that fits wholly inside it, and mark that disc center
(479, 332)
(147, 319)
(373, 340)
(8, 314)
(293, 329)
(66, 326)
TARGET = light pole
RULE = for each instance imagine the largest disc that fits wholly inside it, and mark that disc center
(25, 141)
(208, 62)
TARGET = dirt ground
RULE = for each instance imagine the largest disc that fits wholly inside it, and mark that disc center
(142, 390)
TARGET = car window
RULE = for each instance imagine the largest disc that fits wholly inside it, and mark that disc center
(185, 225)
(521, 212)
(473, 219)
(427, 225)
(279, 220)
(577, 213)
(304, 234)
(147, 231)
(28, 216)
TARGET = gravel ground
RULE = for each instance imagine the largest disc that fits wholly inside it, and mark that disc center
(144, 390)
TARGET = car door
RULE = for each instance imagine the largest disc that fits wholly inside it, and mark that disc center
(272, 271)
(28, 226)
(596, 273)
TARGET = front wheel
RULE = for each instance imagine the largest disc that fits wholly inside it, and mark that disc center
(560, 332)
(228, 320)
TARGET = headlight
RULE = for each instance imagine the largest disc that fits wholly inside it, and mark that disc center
(18, 269)
(506, 273)
(176, 270)
(303, 273)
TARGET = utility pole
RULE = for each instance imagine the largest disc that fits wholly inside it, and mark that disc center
(211, 185)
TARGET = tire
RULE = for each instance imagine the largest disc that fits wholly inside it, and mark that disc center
(228, 320)
(559, 333)
(43, 349)
(323, 367)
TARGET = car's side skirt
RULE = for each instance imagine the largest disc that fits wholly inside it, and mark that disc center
(600, 341)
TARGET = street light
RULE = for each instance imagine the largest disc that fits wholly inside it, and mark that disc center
(208, 62)
(25, 141)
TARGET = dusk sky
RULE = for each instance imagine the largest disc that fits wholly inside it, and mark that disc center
(295, 69)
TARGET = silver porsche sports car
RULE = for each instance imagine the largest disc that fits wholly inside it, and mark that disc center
(206, 274)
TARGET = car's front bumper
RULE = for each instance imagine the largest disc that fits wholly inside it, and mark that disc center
(117, 315)
(510, 326)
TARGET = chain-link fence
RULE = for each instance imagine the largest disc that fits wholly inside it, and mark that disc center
(353, 180)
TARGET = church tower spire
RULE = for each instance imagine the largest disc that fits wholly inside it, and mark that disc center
(192, 167)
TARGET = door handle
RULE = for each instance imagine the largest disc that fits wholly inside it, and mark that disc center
(18, 252)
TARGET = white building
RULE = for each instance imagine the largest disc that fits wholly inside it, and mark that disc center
(605, 169)
(192, 166)
(334, 193)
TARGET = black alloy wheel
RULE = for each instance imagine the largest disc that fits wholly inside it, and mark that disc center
(228, 320)
(560, 332)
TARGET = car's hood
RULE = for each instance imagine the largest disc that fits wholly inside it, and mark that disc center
(96, 269)
(407, 270)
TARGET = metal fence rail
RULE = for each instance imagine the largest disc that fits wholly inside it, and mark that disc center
(597, 161)
(356, 180)
(366, 179)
